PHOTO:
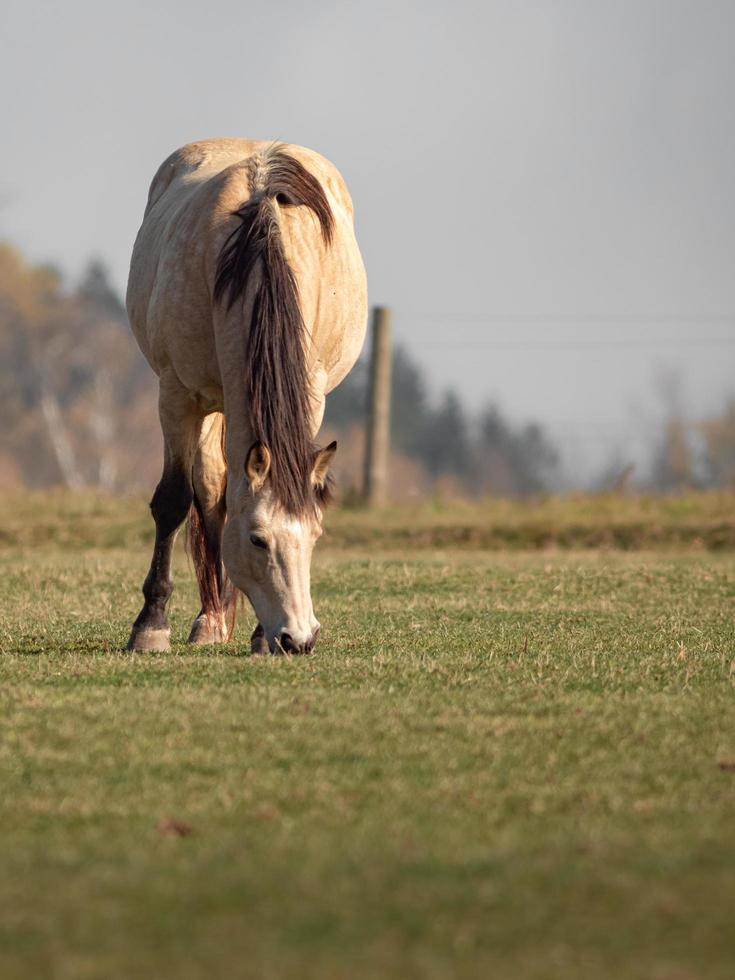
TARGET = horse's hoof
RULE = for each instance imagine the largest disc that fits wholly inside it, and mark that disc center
(208, 629)
(143, 639)
(258, 642)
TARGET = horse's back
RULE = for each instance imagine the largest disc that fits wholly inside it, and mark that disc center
(167, 287)
(205, 159)
(198, 161)
(187, 219)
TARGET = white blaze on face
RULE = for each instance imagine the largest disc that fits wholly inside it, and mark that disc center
(293, 526)
(276, 578)
(267, 552)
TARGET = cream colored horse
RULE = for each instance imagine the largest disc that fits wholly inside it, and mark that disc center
(247, 296)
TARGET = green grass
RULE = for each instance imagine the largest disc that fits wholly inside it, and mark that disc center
(509, 764)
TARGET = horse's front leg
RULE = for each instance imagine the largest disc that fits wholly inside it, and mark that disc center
(169, 506)
(258, 642)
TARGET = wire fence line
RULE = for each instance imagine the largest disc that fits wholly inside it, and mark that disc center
(630, 320)
(580, 451)
(564, 344)
(461, 335)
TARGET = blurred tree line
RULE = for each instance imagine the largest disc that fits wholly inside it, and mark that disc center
(79, 408)
(488, 454)
(78, 400)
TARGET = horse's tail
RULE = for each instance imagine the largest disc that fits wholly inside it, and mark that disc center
(253, 260)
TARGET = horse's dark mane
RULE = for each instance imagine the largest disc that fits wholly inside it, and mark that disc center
(276, 381)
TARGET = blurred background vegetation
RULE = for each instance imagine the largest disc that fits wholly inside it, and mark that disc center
(79, 410)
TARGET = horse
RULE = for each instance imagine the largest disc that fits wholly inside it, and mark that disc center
(247, 296)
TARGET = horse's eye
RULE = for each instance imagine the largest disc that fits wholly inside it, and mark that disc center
(258, 541)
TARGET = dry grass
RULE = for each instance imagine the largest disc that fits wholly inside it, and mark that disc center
(696, 520)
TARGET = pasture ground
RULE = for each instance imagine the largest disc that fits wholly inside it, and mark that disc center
(496, 764)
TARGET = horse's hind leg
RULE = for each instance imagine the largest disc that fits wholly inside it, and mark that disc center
(170, 504)
(206, 521)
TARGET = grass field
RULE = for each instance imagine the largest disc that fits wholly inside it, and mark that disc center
(508, 763)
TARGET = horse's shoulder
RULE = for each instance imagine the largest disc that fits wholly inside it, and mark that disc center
(208, 156)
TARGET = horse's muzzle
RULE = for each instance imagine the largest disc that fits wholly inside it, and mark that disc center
(288, 644)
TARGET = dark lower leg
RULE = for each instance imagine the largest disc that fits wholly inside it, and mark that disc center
(258, 642)
(169, 506)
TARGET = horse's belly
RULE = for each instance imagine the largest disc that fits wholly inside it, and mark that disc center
(346, 314)
(168, 300)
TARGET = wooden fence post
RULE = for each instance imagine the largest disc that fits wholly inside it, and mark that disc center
(377, 444)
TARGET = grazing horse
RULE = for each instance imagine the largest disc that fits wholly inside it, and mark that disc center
(247, 296)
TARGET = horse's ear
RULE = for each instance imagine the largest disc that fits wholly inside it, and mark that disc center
(257, 465)
(320, 470)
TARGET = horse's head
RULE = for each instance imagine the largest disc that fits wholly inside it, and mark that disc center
(267, 550)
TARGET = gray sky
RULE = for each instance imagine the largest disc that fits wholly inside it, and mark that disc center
(543, 190)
